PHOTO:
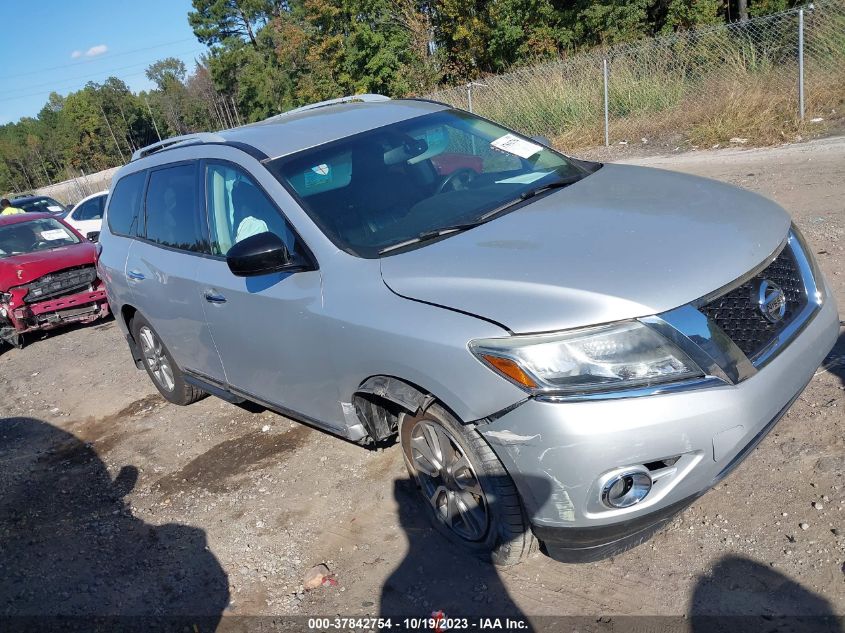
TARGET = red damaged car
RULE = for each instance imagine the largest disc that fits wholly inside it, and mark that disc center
(48, 276)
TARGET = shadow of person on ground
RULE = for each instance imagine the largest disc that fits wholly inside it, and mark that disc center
(743, 595)
(437, 575)
(70, 545)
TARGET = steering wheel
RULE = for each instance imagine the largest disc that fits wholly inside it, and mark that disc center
(457, 180)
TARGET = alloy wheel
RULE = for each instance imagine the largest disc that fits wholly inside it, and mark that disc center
(156, 359)
(448, 480)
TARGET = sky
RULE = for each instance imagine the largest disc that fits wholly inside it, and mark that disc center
(60, 45)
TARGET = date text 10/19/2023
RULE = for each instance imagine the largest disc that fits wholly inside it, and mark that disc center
(438, 622)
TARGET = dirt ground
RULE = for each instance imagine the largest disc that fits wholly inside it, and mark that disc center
(113, 501)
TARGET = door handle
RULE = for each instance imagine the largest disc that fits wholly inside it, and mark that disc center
(134, 274)
(214, 297)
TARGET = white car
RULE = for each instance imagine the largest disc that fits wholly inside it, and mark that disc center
(87, 215)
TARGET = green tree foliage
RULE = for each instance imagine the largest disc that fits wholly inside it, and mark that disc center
(216, 21)
(166, 72)
(266, 56)
(101, 125)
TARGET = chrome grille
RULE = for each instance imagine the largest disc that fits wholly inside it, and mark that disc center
(739, 316)
(60, 283)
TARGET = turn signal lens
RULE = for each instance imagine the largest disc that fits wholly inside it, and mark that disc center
(510, 369)
(609, 357)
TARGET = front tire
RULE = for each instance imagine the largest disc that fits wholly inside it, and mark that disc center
(160, 366)
(469, 496)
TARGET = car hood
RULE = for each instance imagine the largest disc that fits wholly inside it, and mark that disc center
(624, 242)
(22, 269)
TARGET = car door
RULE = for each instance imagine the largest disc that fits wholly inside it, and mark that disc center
(267, 328)
(161, 268)
(122, 213)
(87, 217)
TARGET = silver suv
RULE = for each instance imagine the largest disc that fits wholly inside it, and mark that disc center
(568, 351)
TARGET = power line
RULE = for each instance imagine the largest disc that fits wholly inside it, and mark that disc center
(95, 59)
(41, 92)
(96, 74)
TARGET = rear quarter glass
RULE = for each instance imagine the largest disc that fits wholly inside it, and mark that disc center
(125, 204)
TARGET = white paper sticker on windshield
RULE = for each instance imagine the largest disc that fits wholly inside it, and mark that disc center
(317, 176)
(54, 234)
(512, 144)
(524, 179)
(54, 208)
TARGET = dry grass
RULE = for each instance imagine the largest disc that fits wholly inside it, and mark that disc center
(760, 107)
(700, 88)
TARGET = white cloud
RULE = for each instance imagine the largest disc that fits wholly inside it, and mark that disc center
(76, 54)
(99, 49)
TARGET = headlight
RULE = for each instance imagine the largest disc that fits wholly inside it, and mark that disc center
(604, 358)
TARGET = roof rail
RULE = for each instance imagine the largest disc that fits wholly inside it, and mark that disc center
(185, 139)
(365, 98)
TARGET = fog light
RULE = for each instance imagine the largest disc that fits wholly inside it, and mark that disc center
(626, 489)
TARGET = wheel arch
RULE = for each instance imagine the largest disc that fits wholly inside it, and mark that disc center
(380, 399)
(127, 313)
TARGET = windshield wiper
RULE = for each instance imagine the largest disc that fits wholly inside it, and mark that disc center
(525, 195)
(554, 184)
(430, 235)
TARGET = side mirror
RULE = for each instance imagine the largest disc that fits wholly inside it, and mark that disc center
(93, 236)
(260, 255)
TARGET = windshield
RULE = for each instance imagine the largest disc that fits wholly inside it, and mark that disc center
(34, 235)
(373, 192)
(42, 205)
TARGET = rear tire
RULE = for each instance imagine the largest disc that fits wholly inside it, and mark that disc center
(160, 366)
(468, 494)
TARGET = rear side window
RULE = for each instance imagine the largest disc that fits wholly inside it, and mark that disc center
(125, 204)
(173, 217)
(91, 210)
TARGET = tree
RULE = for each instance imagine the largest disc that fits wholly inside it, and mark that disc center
(166, 71)
(215, 21)
(525, 30)
(267, 56)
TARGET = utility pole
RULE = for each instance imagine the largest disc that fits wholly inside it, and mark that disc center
(235, 108)
(25, 173)
(43, 166)
(114, 138)
(230, 120)
(128, 129)
(155, 125)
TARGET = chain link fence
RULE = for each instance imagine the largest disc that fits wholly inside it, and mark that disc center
(759, 81)
(78, 187)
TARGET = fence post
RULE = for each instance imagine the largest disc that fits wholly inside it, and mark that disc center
(801, 63)
(469, 96)
(606, 116)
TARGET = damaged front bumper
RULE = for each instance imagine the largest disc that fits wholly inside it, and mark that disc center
(560, 453)
(18, 318)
